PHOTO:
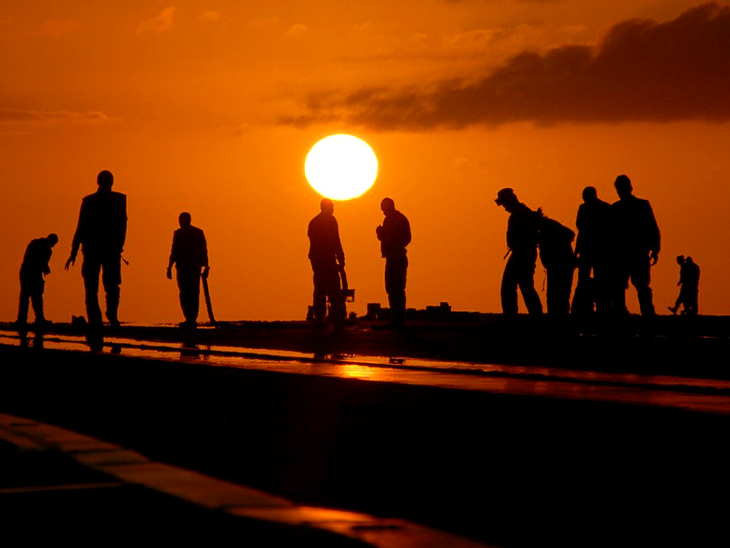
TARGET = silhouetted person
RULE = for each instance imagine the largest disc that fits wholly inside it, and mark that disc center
(394, 235)
(689, 282)
(556, 254)
(189, 255)
(519, 272)
(101, 232)
(32, 271)
(327, 259)
(592, 251)
(637, 244)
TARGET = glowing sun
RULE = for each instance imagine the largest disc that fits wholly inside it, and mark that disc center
(341, 167)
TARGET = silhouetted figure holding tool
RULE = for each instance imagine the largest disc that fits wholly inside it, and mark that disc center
(189, 256)
(101, 232)
(689, 282)
(394, 235)
(522, 237)
(637, 244)
(32, 283)
(593, 254)
(328, 265)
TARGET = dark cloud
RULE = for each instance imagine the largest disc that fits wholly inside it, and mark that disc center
(642, 71)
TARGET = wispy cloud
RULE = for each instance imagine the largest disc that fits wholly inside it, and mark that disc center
(39, 117)
(162, 23)
(641, 71)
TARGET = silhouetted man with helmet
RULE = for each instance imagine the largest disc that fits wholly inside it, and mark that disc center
(637, 244)
(327, 259)
(522, 239)
(32, 283)
(101, 232)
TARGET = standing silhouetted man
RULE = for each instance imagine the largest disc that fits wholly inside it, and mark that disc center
(327, 259)
(189, 255)
(592, 250)
(522, 239)
(689, 282)
(394, 235)
(637, 245)
(32, 271)
(101, 232)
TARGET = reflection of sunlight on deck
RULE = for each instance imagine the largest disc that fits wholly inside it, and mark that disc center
(360, 372)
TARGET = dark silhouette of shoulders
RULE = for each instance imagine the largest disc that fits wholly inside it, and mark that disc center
(102, 223)
(37, 255)
(324, 237)
(189, 247)
(635, 224)
(395, 234)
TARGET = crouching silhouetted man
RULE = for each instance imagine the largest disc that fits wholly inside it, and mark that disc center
(519, 272)
(327, 259)
(394, 235)
(101, 232)
(32, 282)
(189, 255)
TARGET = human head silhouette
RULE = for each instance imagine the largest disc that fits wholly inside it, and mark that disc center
(387, 206)
(52, 239)
(184, 219)
(589, 194)
(623, 186)
(327, 206)
(105, 179)
(507, 199)
(680, 259)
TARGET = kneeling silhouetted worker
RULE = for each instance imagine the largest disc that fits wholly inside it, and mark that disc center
(189, 255)
(32, 283)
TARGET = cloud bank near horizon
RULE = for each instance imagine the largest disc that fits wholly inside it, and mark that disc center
(643, 70)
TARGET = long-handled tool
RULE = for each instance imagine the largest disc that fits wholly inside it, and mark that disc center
(206, 294)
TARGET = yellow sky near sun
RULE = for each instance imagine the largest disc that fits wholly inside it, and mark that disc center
(183, 102)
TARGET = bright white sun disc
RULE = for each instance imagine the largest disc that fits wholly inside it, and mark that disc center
(341, 167)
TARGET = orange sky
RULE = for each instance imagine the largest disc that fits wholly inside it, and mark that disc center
(212, 109)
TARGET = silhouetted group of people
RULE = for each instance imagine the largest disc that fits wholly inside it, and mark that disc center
(100, 235)
(328, 263)
(616, 243)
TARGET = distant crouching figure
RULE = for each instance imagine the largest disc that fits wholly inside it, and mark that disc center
(394, 235)
(189, 256)
(32, 282)
(328, 260)
(101, 232)
(519, 272)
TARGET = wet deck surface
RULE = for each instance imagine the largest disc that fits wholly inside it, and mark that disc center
(505, 455)
(703, 394)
